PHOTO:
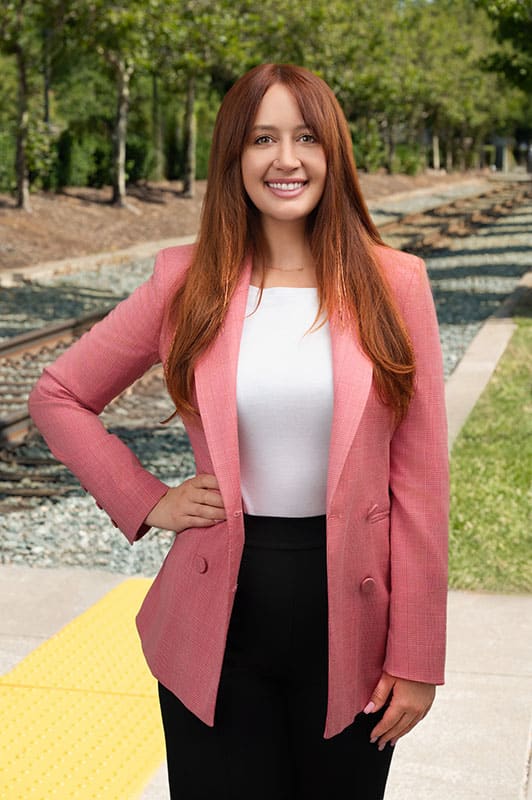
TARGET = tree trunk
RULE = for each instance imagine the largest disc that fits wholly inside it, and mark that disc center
(463, 150)
(472, 157)
(21, 162)
(175, 153)
(157, 132)
(506, 157)
(449, 153)
(435, 151)
(123, 73)
(190, 139)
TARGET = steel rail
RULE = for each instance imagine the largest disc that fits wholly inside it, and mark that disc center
(14, 427)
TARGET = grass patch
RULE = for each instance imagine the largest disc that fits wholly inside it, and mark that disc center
(491, 479)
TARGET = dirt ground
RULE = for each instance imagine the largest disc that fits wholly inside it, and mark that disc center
(81, 220)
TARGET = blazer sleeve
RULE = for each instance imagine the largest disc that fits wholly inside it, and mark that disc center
(73, 391)
(419, 489)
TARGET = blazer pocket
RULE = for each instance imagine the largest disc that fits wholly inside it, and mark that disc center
(376, 513)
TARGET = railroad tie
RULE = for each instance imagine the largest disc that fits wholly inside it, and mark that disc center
(79, 715)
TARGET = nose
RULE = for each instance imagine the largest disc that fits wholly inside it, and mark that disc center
(287, 158)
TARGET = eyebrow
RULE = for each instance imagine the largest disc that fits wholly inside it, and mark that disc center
(274, 128)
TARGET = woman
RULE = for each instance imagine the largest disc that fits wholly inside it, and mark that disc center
(297, 625)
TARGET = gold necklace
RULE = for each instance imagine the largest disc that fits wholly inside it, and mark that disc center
(292, 269)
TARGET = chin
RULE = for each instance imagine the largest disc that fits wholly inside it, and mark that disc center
(286, 218)
(288, 214)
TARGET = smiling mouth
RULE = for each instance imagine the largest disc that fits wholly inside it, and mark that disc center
(285, 186)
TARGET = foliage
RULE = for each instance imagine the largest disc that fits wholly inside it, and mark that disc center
(7, 159)
(513, 28)
(8, 91)
(409, 158)
(491, 471)
(402, 70)
(83, 160)
(368, 145)
(206, 117)
(42, 154)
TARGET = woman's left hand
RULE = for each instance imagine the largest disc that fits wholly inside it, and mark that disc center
(410, 702)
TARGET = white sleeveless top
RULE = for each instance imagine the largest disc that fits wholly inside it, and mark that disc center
(284, 403)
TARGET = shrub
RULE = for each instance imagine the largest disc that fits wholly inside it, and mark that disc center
(368, 146)
(7, 161)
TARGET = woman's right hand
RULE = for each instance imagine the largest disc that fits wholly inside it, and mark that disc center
(195, 503)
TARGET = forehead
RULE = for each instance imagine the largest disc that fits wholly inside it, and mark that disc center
(278, 108)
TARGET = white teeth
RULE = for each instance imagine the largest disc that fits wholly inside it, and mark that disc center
(286, 187)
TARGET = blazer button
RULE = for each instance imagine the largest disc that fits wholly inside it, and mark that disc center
(200, 564)
(367, 586)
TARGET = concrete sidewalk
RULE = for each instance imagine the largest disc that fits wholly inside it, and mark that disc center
(394, 207)
(473, 744)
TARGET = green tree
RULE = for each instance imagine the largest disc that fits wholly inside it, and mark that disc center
(87, 72)
(513, 29)
(17, 38)
(8, 101)
(198, 44)
(27, 31)
(120, 33)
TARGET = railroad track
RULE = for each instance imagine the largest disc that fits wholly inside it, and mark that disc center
(27, 470)
(22, 359)
(29, 473)
(426, 231)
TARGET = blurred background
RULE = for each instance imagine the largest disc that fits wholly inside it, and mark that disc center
(100, 93)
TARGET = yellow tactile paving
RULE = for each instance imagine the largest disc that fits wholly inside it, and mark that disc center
(79, 716)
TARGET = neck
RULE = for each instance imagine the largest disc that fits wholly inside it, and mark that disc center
(287, 244)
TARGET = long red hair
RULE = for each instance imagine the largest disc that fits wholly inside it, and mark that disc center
(341, 235)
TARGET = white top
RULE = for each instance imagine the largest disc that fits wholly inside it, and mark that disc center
(284, 403)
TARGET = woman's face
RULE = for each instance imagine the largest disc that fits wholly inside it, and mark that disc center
(283, 165)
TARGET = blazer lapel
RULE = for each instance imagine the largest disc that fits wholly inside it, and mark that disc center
(352, 376)
(215, 380)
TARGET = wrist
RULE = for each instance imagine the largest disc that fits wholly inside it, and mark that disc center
(156, 518)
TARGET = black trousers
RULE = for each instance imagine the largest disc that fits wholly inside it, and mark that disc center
(267, 741)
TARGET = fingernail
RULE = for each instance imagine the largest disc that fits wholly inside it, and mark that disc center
(392, 744)
(372, 741)
(370, 707)
(382, 745)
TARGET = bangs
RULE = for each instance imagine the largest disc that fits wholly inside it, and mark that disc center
(317, 105)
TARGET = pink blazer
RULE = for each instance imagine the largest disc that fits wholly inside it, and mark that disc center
(387, 493)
